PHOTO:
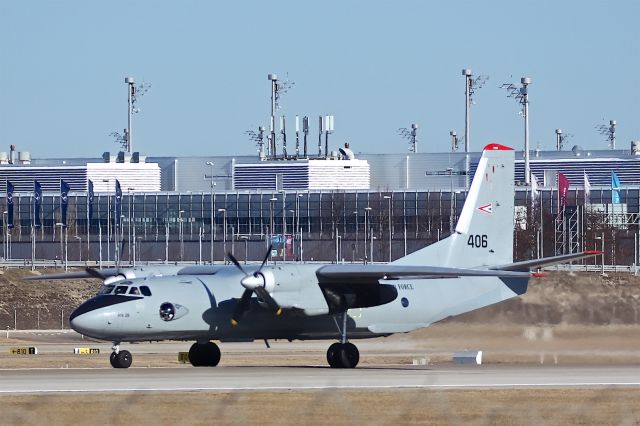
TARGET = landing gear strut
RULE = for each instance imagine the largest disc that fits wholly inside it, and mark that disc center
(343, 354)
(120, 359)
(204, 354)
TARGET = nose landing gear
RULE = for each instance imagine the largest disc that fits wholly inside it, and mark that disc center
(120, 359)
(343, 354)
(204, 354)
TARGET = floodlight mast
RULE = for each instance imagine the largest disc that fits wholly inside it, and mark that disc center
(131, 88)
(272, 129)
(609, 131)
(521, 95)
(411, 135)
(471, 85)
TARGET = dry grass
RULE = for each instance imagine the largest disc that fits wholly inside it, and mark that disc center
(501, 407)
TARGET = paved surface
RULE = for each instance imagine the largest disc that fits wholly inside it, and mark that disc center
(285, 378)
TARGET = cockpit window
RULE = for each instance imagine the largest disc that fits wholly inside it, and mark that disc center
(135, 291)
(121, 289)
(106, 289)
(145, 290)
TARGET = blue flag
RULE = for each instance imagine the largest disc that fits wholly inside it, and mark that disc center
(118, 203)
(615, 188)
(37, 201)
(9, 204)
(64, 201)
(90, 201)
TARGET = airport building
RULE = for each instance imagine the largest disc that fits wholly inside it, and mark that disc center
(378, 206)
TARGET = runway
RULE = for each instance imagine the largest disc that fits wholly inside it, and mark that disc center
(26, 381)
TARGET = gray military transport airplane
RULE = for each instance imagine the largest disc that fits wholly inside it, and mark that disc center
(470, 269)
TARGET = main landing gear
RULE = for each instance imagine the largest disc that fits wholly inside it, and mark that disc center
(120, 359)
(204, 354)
(343, 354)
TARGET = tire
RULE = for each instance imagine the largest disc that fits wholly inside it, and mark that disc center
(123, 359)
(349, 355)
(113, 360)
(204, 355)
(333, 354)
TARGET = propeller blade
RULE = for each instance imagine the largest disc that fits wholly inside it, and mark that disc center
(266, 257)
(266, 298)
(233, 260)
(241, 307)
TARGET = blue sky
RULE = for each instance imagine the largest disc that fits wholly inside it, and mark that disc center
(375, 65)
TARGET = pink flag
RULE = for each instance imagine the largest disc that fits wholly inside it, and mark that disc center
(563, 189)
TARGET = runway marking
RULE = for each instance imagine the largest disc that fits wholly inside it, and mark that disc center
(333, 387)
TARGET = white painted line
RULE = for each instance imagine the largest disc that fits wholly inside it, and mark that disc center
(329, 387)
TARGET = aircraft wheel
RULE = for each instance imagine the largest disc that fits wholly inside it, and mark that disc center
(343, 355)
(121, 359)
(204, 355)
(333, 354)
(349, 355)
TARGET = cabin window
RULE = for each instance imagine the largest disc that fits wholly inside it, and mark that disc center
(106, 289)
(145, 290)
(121, 289)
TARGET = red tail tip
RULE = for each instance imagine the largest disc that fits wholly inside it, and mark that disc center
(537, 275)
(497, 147)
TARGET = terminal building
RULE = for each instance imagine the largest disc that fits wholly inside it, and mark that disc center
(371, 207)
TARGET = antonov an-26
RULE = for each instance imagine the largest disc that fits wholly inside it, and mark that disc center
(470, 269)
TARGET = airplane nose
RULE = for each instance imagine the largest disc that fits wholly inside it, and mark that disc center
(88, 319)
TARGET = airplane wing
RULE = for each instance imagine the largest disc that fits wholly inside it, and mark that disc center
(369, 274)
(527, 265)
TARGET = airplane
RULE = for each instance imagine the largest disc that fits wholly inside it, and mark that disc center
(470, 269)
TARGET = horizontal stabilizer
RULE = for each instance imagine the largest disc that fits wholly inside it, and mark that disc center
(527, 265)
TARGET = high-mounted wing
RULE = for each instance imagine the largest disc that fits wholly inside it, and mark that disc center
(370, 274)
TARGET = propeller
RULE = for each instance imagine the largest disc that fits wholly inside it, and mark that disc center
(256, 282)
(95, 273)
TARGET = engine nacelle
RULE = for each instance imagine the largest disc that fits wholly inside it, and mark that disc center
(172, 311)
(123, 274)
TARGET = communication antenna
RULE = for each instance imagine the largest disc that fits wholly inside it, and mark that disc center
(454, 140)
(277, 90)
(471, 86)
(134, 92)
(305, 130)
(609, 132)
(121, 139)
(283, 133)
(258, 138)
(410, 134)
(561, 139)
(521, 95)
(328, 128)
(297, 137)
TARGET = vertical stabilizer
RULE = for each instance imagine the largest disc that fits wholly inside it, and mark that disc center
(484, 232)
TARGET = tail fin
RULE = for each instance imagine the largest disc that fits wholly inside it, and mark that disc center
(484, 232)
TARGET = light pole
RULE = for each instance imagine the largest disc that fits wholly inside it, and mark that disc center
(79, 239)
(130, 200)
(60, 224)
(601, 238)
(246, 252)
(388, 198)
(224, 233)
(271, 230)
(367, 210)
(181, 235)
(211, 185)
(371, 248)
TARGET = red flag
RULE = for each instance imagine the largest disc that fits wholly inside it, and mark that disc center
(563, 190)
